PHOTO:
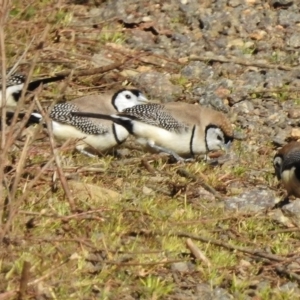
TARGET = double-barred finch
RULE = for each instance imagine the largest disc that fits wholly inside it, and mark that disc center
(15, 84)
(95, 136)
(287, 167)
(177, 128)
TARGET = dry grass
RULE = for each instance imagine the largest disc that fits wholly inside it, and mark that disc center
(73, 227)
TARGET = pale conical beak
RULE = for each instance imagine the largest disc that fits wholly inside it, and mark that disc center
(226, 147)
(142, 98)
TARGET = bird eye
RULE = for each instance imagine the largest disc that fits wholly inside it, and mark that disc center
(128, 96)
(219, 138)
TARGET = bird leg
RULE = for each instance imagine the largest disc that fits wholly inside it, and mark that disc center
(81, 149)
(282, 203)
(168, 151)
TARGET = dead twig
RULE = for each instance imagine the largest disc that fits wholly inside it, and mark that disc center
(257, 253)
(184, 173)
(5, 5)
(50, 272)
(240, 61)
(289, 274)
(7, 295)
(198, 254)
(276, 90)
(93, 71)
(24, 280)
(60, 171)
(121, 264)
(147, 166)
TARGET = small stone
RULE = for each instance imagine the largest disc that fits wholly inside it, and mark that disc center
(258, 35)
(244, 107)
(292, 210)
(280, 137)
(235, 43)
(221, 294)
(278, 216)
(294, 113)
(234, 3)
(157, 85)
(93, 193)
(287, 17)
(252, 201)
(290, 287)
(147, 191)
(101, 60)
(181, 267)
(197, 69)
(295, 133)
(294, 40)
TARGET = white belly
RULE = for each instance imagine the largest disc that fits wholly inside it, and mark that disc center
(177, 142)
(90, 143)
(290, 182)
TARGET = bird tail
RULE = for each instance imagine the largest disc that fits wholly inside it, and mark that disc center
(36, 83)
(34, 118)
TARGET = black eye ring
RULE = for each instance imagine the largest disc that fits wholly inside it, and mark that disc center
(128, 97)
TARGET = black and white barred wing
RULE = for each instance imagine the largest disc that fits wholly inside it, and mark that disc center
(62, 113)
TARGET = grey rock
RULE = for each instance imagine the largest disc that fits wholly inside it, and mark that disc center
(262, 285)
(101, 59)
(198, 70)
(234, 3)
(280, 138)
(290, 287)
(244, 107)
(211, 99)
(292, 210)
(251, 19)
(208, 94)
(294, 40)
(221, 294)
(274, 78)
(287, 17)
(157, 85)
(254, 200)
(141, 39)
(252, 80)
(294, 113)
(181, 38)
(205, 291)
(182, 267)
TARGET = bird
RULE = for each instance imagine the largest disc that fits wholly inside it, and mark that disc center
(15, 84)
(180, 129)
(96, 136)
(286, 163)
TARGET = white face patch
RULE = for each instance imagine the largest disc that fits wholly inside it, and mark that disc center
(291, 182)
(127, 98)
(215, 139)
(277, 163)
(10, 100)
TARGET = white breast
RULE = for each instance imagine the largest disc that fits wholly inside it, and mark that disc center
(290, 182)
(100, 143)
(177, 142)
